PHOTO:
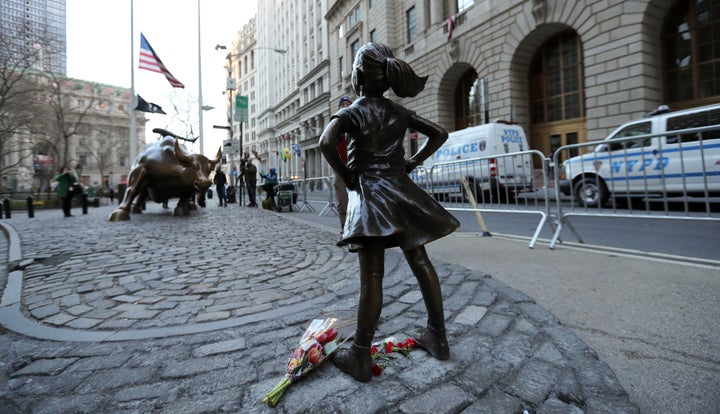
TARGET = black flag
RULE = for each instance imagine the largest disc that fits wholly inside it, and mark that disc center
(145, 106)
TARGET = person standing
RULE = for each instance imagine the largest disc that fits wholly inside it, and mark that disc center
(220, 180)
(338, 183)
(251, 182)
(65, 179)
(385, 207)
(271, 180)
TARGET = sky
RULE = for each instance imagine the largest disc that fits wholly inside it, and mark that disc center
(98, 50)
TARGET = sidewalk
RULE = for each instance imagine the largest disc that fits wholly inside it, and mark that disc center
(198, 314)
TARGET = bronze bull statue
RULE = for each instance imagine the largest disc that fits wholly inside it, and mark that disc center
(164, 170)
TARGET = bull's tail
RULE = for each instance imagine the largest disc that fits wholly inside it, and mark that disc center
(165, 132)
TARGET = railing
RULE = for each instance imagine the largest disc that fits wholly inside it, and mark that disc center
(498, 184)
(641, 176)
(646, 176)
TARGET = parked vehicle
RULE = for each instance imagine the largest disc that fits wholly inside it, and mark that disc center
(486, 156)
(643, 158)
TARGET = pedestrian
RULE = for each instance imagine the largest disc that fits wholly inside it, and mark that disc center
(251, 182)
(65, 179)
(270, 181)
(111, 194)
(385, 208)
(338, 183)
(220, 180)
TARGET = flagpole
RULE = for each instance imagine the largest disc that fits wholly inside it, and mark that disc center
(133, 101)
(200, 98)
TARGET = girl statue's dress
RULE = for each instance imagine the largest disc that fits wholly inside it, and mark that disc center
(387, 204)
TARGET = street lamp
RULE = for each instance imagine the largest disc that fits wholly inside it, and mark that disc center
(231, 86)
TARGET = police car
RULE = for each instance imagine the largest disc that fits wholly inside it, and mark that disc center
(484, 156)
(658, 163)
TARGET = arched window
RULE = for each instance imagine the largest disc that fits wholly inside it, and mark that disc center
(692, 52)
(555, 80)
(555, 90)
(468, 108)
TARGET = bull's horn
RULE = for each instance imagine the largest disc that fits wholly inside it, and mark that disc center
(181, 156)
(219, 156)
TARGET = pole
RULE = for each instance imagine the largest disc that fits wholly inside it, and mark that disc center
(232, 132)
(133, 99)
(200, 97)
(242, 165)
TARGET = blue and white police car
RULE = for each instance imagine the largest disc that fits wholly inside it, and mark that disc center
(664, 154)
(485, 155)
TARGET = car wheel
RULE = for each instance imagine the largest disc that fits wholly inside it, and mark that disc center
(590, 192)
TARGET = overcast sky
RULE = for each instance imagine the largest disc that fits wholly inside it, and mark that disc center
(98, 50)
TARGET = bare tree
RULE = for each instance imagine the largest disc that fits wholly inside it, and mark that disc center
(102, 150)
(18, 105)
(184, 111)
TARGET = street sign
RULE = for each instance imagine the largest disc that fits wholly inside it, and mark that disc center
(241, 108)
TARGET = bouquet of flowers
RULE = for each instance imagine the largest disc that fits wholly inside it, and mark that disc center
(320, 340)
(381, 352)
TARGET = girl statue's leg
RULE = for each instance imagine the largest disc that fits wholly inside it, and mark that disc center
(433, 338)
(356, 361)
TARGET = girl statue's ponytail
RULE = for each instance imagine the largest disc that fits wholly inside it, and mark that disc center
(402, 79)
(375, 63)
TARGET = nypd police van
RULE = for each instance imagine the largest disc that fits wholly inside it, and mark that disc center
(483, 155)
(658, 163)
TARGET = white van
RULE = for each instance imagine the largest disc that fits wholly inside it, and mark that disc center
(482, 154)
(650, 166)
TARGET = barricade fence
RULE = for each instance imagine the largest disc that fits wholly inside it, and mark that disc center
(500, 183)
(663, 176)
(316, 190)
(674, 175)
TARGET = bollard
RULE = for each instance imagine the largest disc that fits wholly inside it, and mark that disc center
(6, 207)
(30, 208)
(84, 203)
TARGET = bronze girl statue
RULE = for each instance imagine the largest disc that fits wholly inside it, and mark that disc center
(385, 208)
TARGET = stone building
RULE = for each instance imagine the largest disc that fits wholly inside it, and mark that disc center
(292, 88)
(567, 72)
(97, 123)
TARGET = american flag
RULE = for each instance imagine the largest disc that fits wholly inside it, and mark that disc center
(149, 60)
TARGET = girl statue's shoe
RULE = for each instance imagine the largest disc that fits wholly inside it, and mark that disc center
(355, 361)
(434, 341)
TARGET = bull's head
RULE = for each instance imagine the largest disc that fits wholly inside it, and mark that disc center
(199, 163)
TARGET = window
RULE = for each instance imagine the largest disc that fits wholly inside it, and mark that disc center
(464, 5)
(354, 47)
(694, 120)
(692, 51)
(643, 128)
(468, 111)
(373, 36)
(341, 65)
(555, 80)
(341, 31)
(354, 17)
(411, 23)
(371, 3)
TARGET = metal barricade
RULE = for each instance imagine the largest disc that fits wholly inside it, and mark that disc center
(674, 175)
(499, 184)
(316, 190)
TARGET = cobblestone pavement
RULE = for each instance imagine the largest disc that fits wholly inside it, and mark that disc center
(198, 314)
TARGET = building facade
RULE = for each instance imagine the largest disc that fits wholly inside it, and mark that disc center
(96, 127)
(567, 72)
(293, 96)
(36, 26)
